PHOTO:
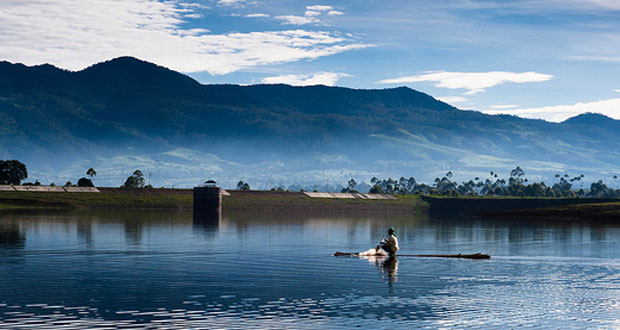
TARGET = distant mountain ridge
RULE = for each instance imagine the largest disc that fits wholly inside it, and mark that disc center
(592, 119)
(125, 113)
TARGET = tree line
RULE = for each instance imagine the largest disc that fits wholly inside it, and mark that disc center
(516, 185)
(14, 172)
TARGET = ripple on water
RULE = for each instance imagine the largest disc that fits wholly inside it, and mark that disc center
(489, 305)
(281, 276)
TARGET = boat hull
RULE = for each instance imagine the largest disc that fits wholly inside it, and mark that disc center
(459, 256)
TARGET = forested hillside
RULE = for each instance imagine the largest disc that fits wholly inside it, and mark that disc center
(126, 114)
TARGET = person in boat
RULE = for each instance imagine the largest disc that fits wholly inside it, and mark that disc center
(389, 244)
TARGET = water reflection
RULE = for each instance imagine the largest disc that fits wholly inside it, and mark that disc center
(133, 230)
(11, 236)
(85, 232)
(417, 234)
(387, 266)
(209, 226)
(269, 271)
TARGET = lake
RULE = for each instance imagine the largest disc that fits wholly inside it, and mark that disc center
(159, 270)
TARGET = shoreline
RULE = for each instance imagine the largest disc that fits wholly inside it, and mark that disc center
(296, 202)
(182, 200)
(528, 208)
(106, 199)
(272, 202)
(608, 212)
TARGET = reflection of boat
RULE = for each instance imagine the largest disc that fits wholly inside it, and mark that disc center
(464, 256)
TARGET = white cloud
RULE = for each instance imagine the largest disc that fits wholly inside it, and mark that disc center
(617, 90)
(257, 15)
(310, 13)
(473, 82)
(296, 20)
(453, 99)
(193, 32)
(595, 58)
(192, 5)
(66, 35)
(503, 106)
(231, 3)
(611, 4)
(193, 16)
(319, 8)
(558, 113)
(311, 16)
(319, 78)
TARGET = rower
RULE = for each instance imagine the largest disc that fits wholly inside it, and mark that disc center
(389, 244)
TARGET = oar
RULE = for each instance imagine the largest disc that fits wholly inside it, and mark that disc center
(463, 256)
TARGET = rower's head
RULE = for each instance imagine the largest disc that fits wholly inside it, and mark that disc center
(391, 231)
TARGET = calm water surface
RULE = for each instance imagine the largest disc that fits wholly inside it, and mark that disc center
(137, 270)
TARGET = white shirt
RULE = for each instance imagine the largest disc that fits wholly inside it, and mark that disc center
(393, 243)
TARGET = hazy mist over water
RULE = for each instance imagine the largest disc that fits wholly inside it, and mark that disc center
(162, 270)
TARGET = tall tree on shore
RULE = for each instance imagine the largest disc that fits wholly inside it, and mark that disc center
(244, 186)
(351, 185)
(136, 180)
(517, 172)
(376, 189)
(12, 172)
(86, 182)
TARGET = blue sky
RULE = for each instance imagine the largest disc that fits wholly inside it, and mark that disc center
(537, 59)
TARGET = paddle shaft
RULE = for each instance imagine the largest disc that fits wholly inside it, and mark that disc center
(462, 256)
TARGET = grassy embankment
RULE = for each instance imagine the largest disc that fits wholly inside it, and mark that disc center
(592, 212)
(268, 201)
(527, 207)
(108, 198)
(182, 200)
(274, 202)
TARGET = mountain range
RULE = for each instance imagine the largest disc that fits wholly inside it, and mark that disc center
(127, 114)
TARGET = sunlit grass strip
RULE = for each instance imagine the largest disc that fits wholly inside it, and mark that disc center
(182, 199)
(114, 199)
